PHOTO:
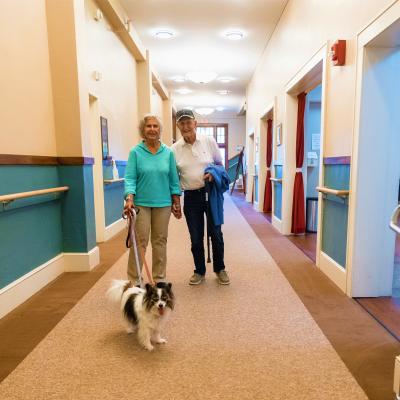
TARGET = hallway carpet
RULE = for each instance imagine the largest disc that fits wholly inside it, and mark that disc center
(253, 339)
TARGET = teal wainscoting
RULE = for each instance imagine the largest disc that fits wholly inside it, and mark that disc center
(278, 192)
(113, 192)
(30, 229)
(335, 213)
(78, 220)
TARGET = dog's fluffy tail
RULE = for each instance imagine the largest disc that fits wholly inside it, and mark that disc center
(119, 289)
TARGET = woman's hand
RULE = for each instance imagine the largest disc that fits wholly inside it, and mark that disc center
(129, 205)
(176, 210)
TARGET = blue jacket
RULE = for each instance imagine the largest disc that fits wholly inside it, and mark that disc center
(218, 187)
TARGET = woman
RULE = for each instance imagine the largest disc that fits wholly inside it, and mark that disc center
(152, 185)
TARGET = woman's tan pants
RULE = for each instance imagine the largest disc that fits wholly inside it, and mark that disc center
(152, 220)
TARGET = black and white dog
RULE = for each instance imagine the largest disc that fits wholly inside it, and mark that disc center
(145, 309)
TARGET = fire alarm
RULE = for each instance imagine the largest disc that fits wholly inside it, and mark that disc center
(338, 52)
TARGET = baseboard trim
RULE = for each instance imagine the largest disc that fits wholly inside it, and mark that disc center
(277, 223)
(335, 272)
(17, 292)
(81, 262)
(114, 228)
(14, 294)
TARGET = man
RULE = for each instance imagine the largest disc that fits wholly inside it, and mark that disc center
(193, 153)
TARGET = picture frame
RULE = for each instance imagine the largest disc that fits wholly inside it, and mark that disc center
(279, 134)
(104, 137)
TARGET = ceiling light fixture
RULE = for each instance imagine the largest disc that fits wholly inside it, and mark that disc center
(204, 110)
(188, 108)
(220, 108)
(164, 34)
(226, 79)
(183, 91)
(201, 76)
(234, 35)
(178, 78)
(223, 92)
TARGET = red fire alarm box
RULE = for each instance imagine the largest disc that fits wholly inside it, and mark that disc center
(338, 52)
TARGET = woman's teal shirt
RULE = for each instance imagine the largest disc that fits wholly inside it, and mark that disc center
(152, 178)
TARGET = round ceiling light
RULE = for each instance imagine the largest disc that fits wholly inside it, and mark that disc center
(188, 108)
(204, 110)
(223, 92)
(220, 108)
(201, 76)
(226, 79)
(234, 35)
(164, 34)
(183, 91)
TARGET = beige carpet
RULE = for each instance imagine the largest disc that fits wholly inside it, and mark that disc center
(250, 340)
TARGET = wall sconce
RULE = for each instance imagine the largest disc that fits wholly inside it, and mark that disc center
(338, 53)
(98, 16)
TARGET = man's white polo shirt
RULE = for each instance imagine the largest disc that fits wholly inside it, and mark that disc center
(192, 160)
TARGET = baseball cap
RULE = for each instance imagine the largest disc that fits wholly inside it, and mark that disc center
(185, 113)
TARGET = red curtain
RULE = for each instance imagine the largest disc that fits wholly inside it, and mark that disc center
(298, 209)
(268, 184)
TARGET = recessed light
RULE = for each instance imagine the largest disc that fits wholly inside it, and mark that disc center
(223, 92)
(220, 108)
(188, 108)
(164, 34)
(201, 76)
(204, 110)
(226, 79)
(178, 78)
(234, 35)
(183, 91)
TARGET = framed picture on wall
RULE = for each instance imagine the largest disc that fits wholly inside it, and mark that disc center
(279, 134)
(104, 137)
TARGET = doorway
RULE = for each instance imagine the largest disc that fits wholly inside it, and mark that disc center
(98, 185)
(373, 259)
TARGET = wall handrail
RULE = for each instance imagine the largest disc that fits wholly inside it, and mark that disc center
(277, 180)
(336, 192)
(7, 198)
(393, 220)
(109, 181)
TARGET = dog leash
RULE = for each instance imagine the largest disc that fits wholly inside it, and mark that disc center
(131, 240)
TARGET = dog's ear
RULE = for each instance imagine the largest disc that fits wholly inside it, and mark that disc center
(169, 286)
(148, 288)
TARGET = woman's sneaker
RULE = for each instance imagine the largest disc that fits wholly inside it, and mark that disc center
(196, 279)
(223, 278)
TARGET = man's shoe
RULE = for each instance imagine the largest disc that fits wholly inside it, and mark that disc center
(223, 278)
(196, 279)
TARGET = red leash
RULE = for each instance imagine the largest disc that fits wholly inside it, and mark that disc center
(131, 240)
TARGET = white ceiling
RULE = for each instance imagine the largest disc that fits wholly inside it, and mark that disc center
(199, 43)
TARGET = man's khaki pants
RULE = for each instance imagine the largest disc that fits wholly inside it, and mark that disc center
(154, 220)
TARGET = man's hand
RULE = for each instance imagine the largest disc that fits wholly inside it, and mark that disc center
(208, 177)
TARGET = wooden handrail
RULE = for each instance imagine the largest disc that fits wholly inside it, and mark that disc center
(109, 181)
(7, 198)
(277, 180)
(326, 190)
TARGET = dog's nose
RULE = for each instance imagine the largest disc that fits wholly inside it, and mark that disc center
(161, 306)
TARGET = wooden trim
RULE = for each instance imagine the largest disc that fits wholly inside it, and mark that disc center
(18, 159)
(14, 196)
(21, 159)
(221, 145)
(75, 160)
(277, 180)
(110, 181)
(342, 160)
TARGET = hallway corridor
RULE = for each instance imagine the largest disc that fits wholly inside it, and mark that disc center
(251, 340)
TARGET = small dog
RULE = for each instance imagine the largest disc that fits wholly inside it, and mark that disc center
(145, 309)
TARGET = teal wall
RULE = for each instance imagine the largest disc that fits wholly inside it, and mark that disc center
(278, 192)
(113, 193)
(335, 213)
(36, 229)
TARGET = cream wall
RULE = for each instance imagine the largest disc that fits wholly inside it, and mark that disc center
(116, 91)
(26, 104)
(156, 104)
(306, 26)
(236, 129)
